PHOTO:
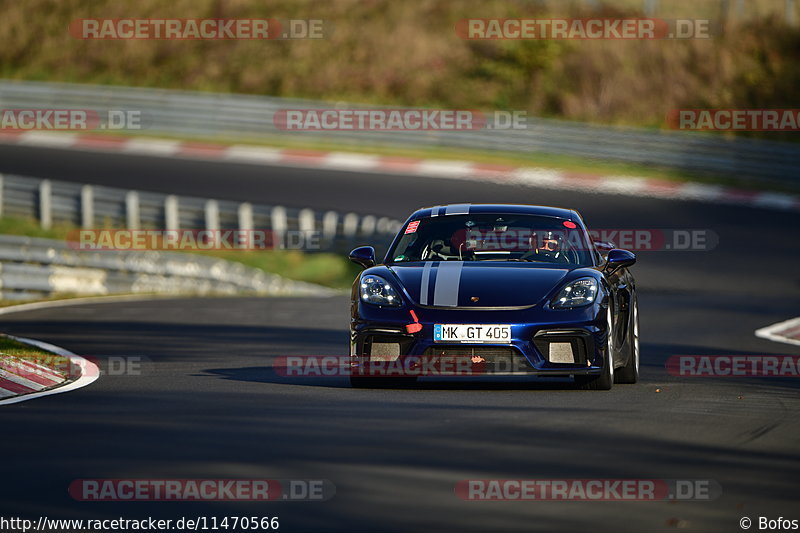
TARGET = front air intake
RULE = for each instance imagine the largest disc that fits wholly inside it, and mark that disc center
(563, 347)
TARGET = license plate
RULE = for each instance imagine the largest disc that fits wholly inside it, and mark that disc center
(477, 333)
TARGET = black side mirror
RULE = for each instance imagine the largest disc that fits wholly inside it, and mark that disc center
(364, 256)
(619, 258)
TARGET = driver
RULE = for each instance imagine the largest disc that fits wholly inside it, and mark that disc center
(546, 246)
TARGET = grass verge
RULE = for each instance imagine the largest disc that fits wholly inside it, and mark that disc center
(328, 269)
(14, 349)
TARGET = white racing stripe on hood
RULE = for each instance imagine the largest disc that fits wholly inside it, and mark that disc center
(426, 276)
(448, 282)
(457, 209)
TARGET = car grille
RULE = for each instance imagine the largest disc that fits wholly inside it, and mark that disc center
(487, 359)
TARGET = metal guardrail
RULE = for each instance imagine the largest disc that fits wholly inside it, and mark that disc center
(94, 206)
(246, 117)
(34, 268)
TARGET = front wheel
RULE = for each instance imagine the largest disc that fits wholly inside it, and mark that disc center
(630, 372)
(605, 380)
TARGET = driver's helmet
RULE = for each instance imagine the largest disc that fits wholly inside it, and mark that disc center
(547, 241)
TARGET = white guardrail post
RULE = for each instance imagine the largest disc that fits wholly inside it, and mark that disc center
(171, 215)
(350, 226)
(368, 224)
(212, 215)
(87, 207)
(132, 217)
(45, 204)
(306, 221)
(329, 223)
(279, 225)
(244, 215)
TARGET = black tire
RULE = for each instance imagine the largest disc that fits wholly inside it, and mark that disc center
(602, 382)
(362, 382)
(605, 380)
(629, 373)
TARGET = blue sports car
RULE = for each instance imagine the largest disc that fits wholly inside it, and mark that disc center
(494, 290)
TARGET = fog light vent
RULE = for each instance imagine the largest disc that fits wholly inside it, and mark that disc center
(384, 351)
(561, 352)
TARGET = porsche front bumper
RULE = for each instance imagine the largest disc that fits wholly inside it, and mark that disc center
(543, 342)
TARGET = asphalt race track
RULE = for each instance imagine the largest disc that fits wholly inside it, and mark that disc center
(210, 405)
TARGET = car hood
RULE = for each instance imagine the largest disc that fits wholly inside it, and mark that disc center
(459, 284)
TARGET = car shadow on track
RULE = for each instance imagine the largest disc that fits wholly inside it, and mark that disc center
(268, 374)
(653, 369)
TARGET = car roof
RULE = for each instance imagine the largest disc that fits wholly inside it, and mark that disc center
(516, 209)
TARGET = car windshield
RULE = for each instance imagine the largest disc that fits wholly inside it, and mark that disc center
(493, 237)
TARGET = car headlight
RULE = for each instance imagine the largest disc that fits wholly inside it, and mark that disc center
(378, 291)
(576, 294)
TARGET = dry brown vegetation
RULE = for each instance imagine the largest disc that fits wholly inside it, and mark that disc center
(407, 53)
